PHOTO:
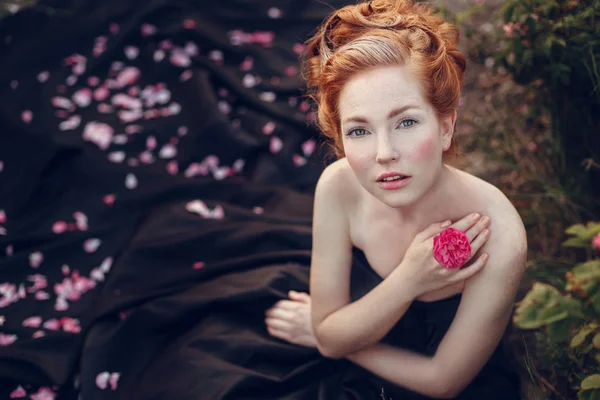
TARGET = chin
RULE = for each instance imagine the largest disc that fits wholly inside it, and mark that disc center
(396, 198)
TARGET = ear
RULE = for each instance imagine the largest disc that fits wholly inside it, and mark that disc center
(447, 129)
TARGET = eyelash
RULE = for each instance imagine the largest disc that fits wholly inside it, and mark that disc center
(363, 129)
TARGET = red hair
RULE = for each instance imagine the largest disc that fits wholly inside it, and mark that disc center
(382, 33)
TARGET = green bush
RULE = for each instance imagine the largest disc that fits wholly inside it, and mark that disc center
(555, 45)
(571, 316)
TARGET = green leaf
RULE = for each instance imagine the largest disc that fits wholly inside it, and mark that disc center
(576, 242)
(577, 230)
(584, 278)
(583, 334)
(591, 382)
(596, 341)
(559, 331)
(543, 305)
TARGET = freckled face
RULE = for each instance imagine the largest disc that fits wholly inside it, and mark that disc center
(388, 126)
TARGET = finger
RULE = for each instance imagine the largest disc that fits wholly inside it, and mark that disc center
(278, 324)
(467, 222)
(471, 270)
(291, 305)
(478, 227)
(277, 312)
(434, 229)
(479, 241)
(299, 296)
(283, 335)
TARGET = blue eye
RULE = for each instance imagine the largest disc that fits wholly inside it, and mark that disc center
(357, 132)
(407, 123)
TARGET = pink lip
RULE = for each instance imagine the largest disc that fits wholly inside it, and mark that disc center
(393, 185)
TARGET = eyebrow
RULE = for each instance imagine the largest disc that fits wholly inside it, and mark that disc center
(392, 114)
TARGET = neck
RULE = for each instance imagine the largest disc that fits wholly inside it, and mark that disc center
(427, 209)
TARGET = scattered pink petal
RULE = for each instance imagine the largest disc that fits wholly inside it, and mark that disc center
(38, 334)
(83, 97)
(41, 295)
(7, 340)
(101, 93)
(14, 84)
(72, 123)
(290, 71)
(308, 147)
(174, 108)
(2, 164)
(59, 227)
(298, 48)
(258, 210)
(65, 269)
(159, 55)
(267, 96)
(181, 131)
(32, 322)
(304, 106)
(238, 165)
(44, 393)
(127, 77)
(168, 151)
(27, 116)
(165, 44)
(221, 173)
(114, 28)
(131, 129)
(2, 217)
(268, 128)
(189, 23)
(43, 76)
(113, 380)
(275, 80)
(186, 75)
(275, 145)
(35, 259)
(70, 325)
(93, 81)
(81, 220)
(216, 56)
(18, 393)
(99, 133)
(247, 64)
(109, 199)
(91, 245)
(172, 167)
(249, 81)
(212, 161)
(117, 157)
(180, 60)
(61, 102)
(131, 52)
(148, 30)
(2, 320)
(61, 304)
(298, 160)
(131, 181)
(9, 250)
(71, 80)
(102, 380)
(198, 265)
(224, 107)
(106, 265)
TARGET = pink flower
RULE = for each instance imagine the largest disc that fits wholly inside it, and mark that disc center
(596, 241)
(451, 248)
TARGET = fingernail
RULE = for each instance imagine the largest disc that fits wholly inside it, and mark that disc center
(476, 215)
(484, 256)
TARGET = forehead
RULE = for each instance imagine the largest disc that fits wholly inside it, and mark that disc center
(378, 90)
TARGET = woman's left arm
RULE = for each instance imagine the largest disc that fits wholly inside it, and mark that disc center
(475, 332)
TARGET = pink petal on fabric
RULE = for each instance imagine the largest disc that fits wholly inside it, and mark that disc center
(101, 93)
(7, 340)
(38, 334)
(130, 116)
(258, 210)
(83, 97)
(596, 241)
(298, 160)
(274, 12)
(308, 147)
(132, 129)
(2, 320)
(165, 44)
(45, 393)
(174, 108)
(159, 55)
(290, 71)
(81, 220)
(269, 97)
(186, 75)
(61, 304)
(172, 167)
(117, 157)
(65, 269)
(71, 80)
(148, 30)
(268, 128)
(198, 265)
(131, 181)
(216, 56)
(98, 133)
(27, 116)
(35, 259)
(113, 380)
(14, 84)
(32, 322)
(93, 81)
(41, 295)
(109, 199)
(304, 106)
(131, 52)
(224, 107)
(182, 131)
(275, 80)
(247, 64)
(125, 101)
(91, 245)
(128, 76)
(275, 145)
(191, 49)
(168, 151)
(3, 231)
(249, 81)
(72, 123)
(1, 166)
(43, 76)
(298, 48)
(18, 393)
(61, 102)
(9, 250)
(221, 173)
(189, 23)
(133, 91)
(102, 380)
(238, 165)
(179, 59)
(114, 28)
(2, 217)
(70, 325)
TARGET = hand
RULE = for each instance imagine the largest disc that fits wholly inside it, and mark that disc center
(425, 273)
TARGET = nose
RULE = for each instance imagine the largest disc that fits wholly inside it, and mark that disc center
(386, 152)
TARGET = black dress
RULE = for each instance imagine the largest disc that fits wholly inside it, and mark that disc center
(156, 180)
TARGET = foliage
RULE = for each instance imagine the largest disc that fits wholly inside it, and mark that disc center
(571, 315)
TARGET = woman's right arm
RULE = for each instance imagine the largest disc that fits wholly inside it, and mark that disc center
(342, 327)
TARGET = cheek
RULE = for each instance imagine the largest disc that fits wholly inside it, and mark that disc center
(356, 161)
(426, 149)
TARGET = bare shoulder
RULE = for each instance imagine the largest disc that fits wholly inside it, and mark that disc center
(337, 185)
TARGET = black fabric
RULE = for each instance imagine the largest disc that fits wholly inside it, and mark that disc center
(157, 164)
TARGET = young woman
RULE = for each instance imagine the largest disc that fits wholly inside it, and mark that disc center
(386, 76)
